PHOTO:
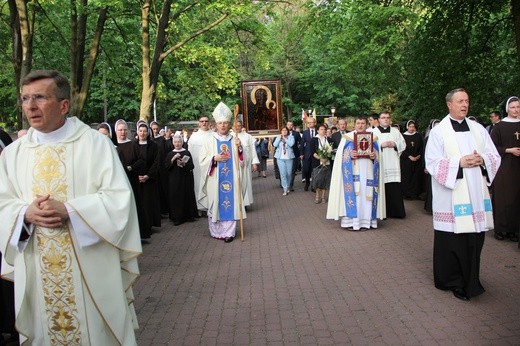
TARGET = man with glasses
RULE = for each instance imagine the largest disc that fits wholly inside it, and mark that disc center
(195, 143)
(70, 234)
(391, 145)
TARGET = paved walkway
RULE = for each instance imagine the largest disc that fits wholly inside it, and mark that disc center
(298, 279)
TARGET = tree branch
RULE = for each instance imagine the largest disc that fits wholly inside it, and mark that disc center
(193, 36)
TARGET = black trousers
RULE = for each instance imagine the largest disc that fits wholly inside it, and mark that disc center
(456, 261)
(394, 201)
(7, 318)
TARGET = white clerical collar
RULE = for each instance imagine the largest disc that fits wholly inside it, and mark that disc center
(123, 141)
(459, 121)
(409, 133)
(143, 142)
(511, 120)
(54, 136)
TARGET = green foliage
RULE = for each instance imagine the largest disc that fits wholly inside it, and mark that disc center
(360, 56)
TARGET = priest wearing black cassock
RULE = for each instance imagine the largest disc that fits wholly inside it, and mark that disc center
(462, 160)
(391, 146)
(506, 186)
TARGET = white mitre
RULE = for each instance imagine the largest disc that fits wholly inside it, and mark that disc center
(222, 113)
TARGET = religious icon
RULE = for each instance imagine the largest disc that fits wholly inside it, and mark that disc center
(224, 150)
(363, 144)
(262, 106)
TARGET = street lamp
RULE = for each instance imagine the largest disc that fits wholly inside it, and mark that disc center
(310, 112)
(333, 110)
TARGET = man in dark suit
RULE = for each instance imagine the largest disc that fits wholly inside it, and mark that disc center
(336, 136)
(296, 150)
(307, 150)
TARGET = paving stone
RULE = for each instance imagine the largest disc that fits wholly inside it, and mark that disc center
(299, 279)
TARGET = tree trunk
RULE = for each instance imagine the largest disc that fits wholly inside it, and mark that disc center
(22, 27)
(147, 94)
(81, 97)
(78, 28)
(152, 69)
(515, 10)
(14, 24)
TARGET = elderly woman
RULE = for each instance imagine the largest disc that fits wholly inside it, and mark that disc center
(284, 157)
(181, 192)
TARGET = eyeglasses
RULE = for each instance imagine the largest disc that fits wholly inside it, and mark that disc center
(39, 99)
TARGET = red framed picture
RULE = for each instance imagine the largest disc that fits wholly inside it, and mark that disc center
(363, 144)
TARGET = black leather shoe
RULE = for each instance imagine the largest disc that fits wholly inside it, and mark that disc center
(513, 236)
(460, 294)
(499, 236)
(306, 188)
(228, 239)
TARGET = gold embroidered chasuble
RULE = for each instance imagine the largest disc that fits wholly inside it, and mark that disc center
(67, 293)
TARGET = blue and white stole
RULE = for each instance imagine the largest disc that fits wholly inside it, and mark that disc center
(226, 207)
(351, 181)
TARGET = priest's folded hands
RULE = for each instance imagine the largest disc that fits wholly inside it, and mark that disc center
(46, 212)
(471, 160)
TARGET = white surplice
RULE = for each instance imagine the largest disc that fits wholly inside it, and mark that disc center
(250, 158)
(444, 169)
(390, 162)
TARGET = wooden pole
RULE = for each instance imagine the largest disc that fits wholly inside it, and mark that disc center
(240, 202)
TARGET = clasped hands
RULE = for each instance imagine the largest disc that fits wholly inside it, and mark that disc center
(47, 212)
(471, 160)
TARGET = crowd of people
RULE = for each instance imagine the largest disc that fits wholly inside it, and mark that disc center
(64, 207)
(465, 173)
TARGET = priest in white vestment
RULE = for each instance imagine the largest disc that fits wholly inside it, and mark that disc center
(391, 145)
(195, 144)
(251, 163)
(462, 160)
(70, 234)
(221, 159)
(356, 189)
